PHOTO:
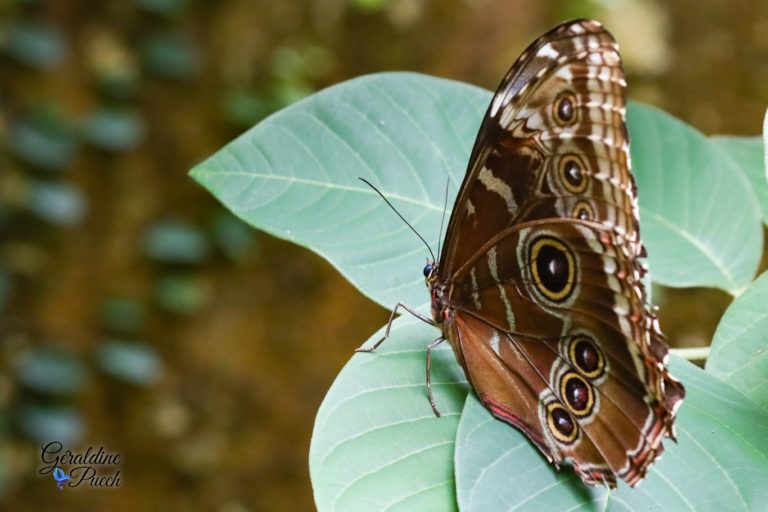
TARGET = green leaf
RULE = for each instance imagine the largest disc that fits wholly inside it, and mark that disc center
(719, 463)
(700, 217)
(376, 443)
(739, 353)
(497, 468)
(750, 157)
(765, 142)
(295, 174)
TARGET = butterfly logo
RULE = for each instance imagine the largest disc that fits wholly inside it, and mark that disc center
(60, 476)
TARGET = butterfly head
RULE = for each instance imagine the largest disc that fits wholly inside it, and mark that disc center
(429, 270)
(430, 274)
(436, 291)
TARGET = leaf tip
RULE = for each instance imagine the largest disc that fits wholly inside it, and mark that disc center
(198, 173)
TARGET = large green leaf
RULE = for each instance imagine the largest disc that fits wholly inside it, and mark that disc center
(377, 445)
(749, 155)
(700, 217)
(497, 468)
(740, 347)
(295, 175)
(719, 463)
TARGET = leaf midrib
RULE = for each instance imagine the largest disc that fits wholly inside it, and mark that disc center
(203, 174)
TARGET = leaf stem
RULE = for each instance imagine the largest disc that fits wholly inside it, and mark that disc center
(692, 354)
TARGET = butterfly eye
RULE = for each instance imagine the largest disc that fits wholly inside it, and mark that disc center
(565, 108)
(428, 269)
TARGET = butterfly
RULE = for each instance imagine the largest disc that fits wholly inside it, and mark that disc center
(539, 286)
(60, 476)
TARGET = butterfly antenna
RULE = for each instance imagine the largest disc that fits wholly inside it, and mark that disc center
(442, 219)
(401, 217)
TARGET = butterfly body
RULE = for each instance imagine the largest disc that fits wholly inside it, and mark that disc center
(539, 286)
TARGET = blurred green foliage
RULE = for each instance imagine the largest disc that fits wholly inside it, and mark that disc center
(35, 43)
(130, 361)
(113, 129)
(43, 139)
(67, 151)
(174, 241)
(123, 315)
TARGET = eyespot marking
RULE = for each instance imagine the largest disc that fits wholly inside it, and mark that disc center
(561, 424)
(564, 109)
(577, 393)
(572, 174)
(553, 268)
(586, 357)
(582, 210)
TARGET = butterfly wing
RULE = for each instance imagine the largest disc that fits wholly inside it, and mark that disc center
(582, 341)
(542, 265)
(523, 147)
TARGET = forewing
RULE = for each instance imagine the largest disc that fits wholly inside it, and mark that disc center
(529, 162)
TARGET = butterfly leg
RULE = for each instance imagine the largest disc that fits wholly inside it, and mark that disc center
(432, 345)
(389, 326)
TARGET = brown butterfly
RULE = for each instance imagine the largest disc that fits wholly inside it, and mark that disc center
(539, 288)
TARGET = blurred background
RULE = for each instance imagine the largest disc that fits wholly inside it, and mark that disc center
(138, 315)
